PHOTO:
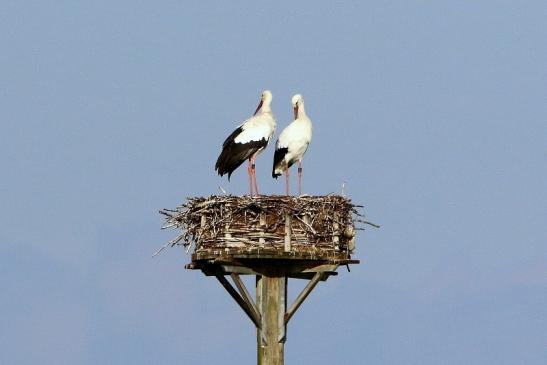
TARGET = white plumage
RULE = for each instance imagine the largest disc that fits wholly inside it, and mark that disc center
(293, 143)
(256, 128)
(247, 141)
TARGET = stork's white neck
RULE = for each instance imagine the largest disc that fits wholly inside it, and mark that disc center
(301, 110)
(266, 108)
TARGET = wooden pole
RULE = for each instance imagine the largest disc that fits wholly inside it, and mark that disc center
(271, 299)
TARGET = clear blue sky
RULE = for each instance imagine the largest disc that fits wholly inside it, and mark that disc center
(434, 113)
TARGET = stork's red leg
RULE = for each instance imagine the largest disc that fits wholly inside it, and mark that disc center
(250, 173)
(286, 181)
(299, 178)
(253, 167)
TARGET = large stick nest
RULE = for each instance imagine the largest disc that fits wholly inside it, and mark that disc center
(322, 224)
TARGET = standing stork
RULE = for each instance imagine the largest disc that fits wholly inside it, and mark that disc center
(247, 141)
(293, 143)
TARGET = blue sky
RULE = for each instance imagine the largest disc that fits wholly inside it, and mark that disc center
(434, 114)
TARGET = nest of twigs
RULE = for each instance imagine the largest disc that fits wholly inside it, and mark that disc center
(323, 225)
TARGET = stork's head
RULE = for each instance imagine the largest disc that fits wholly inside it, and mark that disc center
(267, 96)
(265, 100)
(297, 103)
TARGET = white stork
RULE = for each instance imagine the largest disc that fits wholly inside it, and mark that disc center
(293, 143)
(247, 141)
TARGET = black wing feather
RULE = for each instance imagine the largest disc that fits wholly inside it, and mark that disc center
(234, 154)
(232, 136)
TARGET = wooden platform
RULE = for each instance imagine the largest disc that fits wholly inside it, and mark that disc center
(292, 265)
(274, 238)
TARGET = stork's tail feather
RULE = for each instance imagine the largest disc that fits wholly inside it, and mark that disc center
(277, 170)
(226, 164)
(279, 156)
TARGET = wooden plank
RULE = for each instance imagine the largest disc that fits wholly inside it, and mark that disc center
(225, 255)
(251, 266)
(203, 221)
(245, 295)
(262, 224)
(230, 289)
(336, 227)
(302, 296)
(288, 269)
(282, 308)
(240, 270)
(288, 232)
(320, 268)
(310, 275)
(261, 331)
(260, 338)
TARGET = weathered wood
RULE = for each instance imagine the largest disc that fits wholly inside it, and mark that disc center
(302, 296)
(230, 289)
(271, 294)
(288, 232)
(245, 295)
(245, 253)
(260, 339)
(203, 221)
(246, 260)
(336, 228)
(310, 275)
(281, 309)
(260, 304)
(240, 270)
(288, 269)
(262, 224)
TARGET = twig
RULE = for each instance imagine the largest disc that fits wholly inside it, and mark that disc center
(161, 249)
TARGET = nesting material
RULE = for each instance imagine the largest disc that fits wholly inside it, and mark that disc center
(265, 226)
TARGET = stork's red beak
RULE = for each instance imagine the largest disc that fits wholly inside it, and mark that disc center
(295, 110)
(259, 106)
